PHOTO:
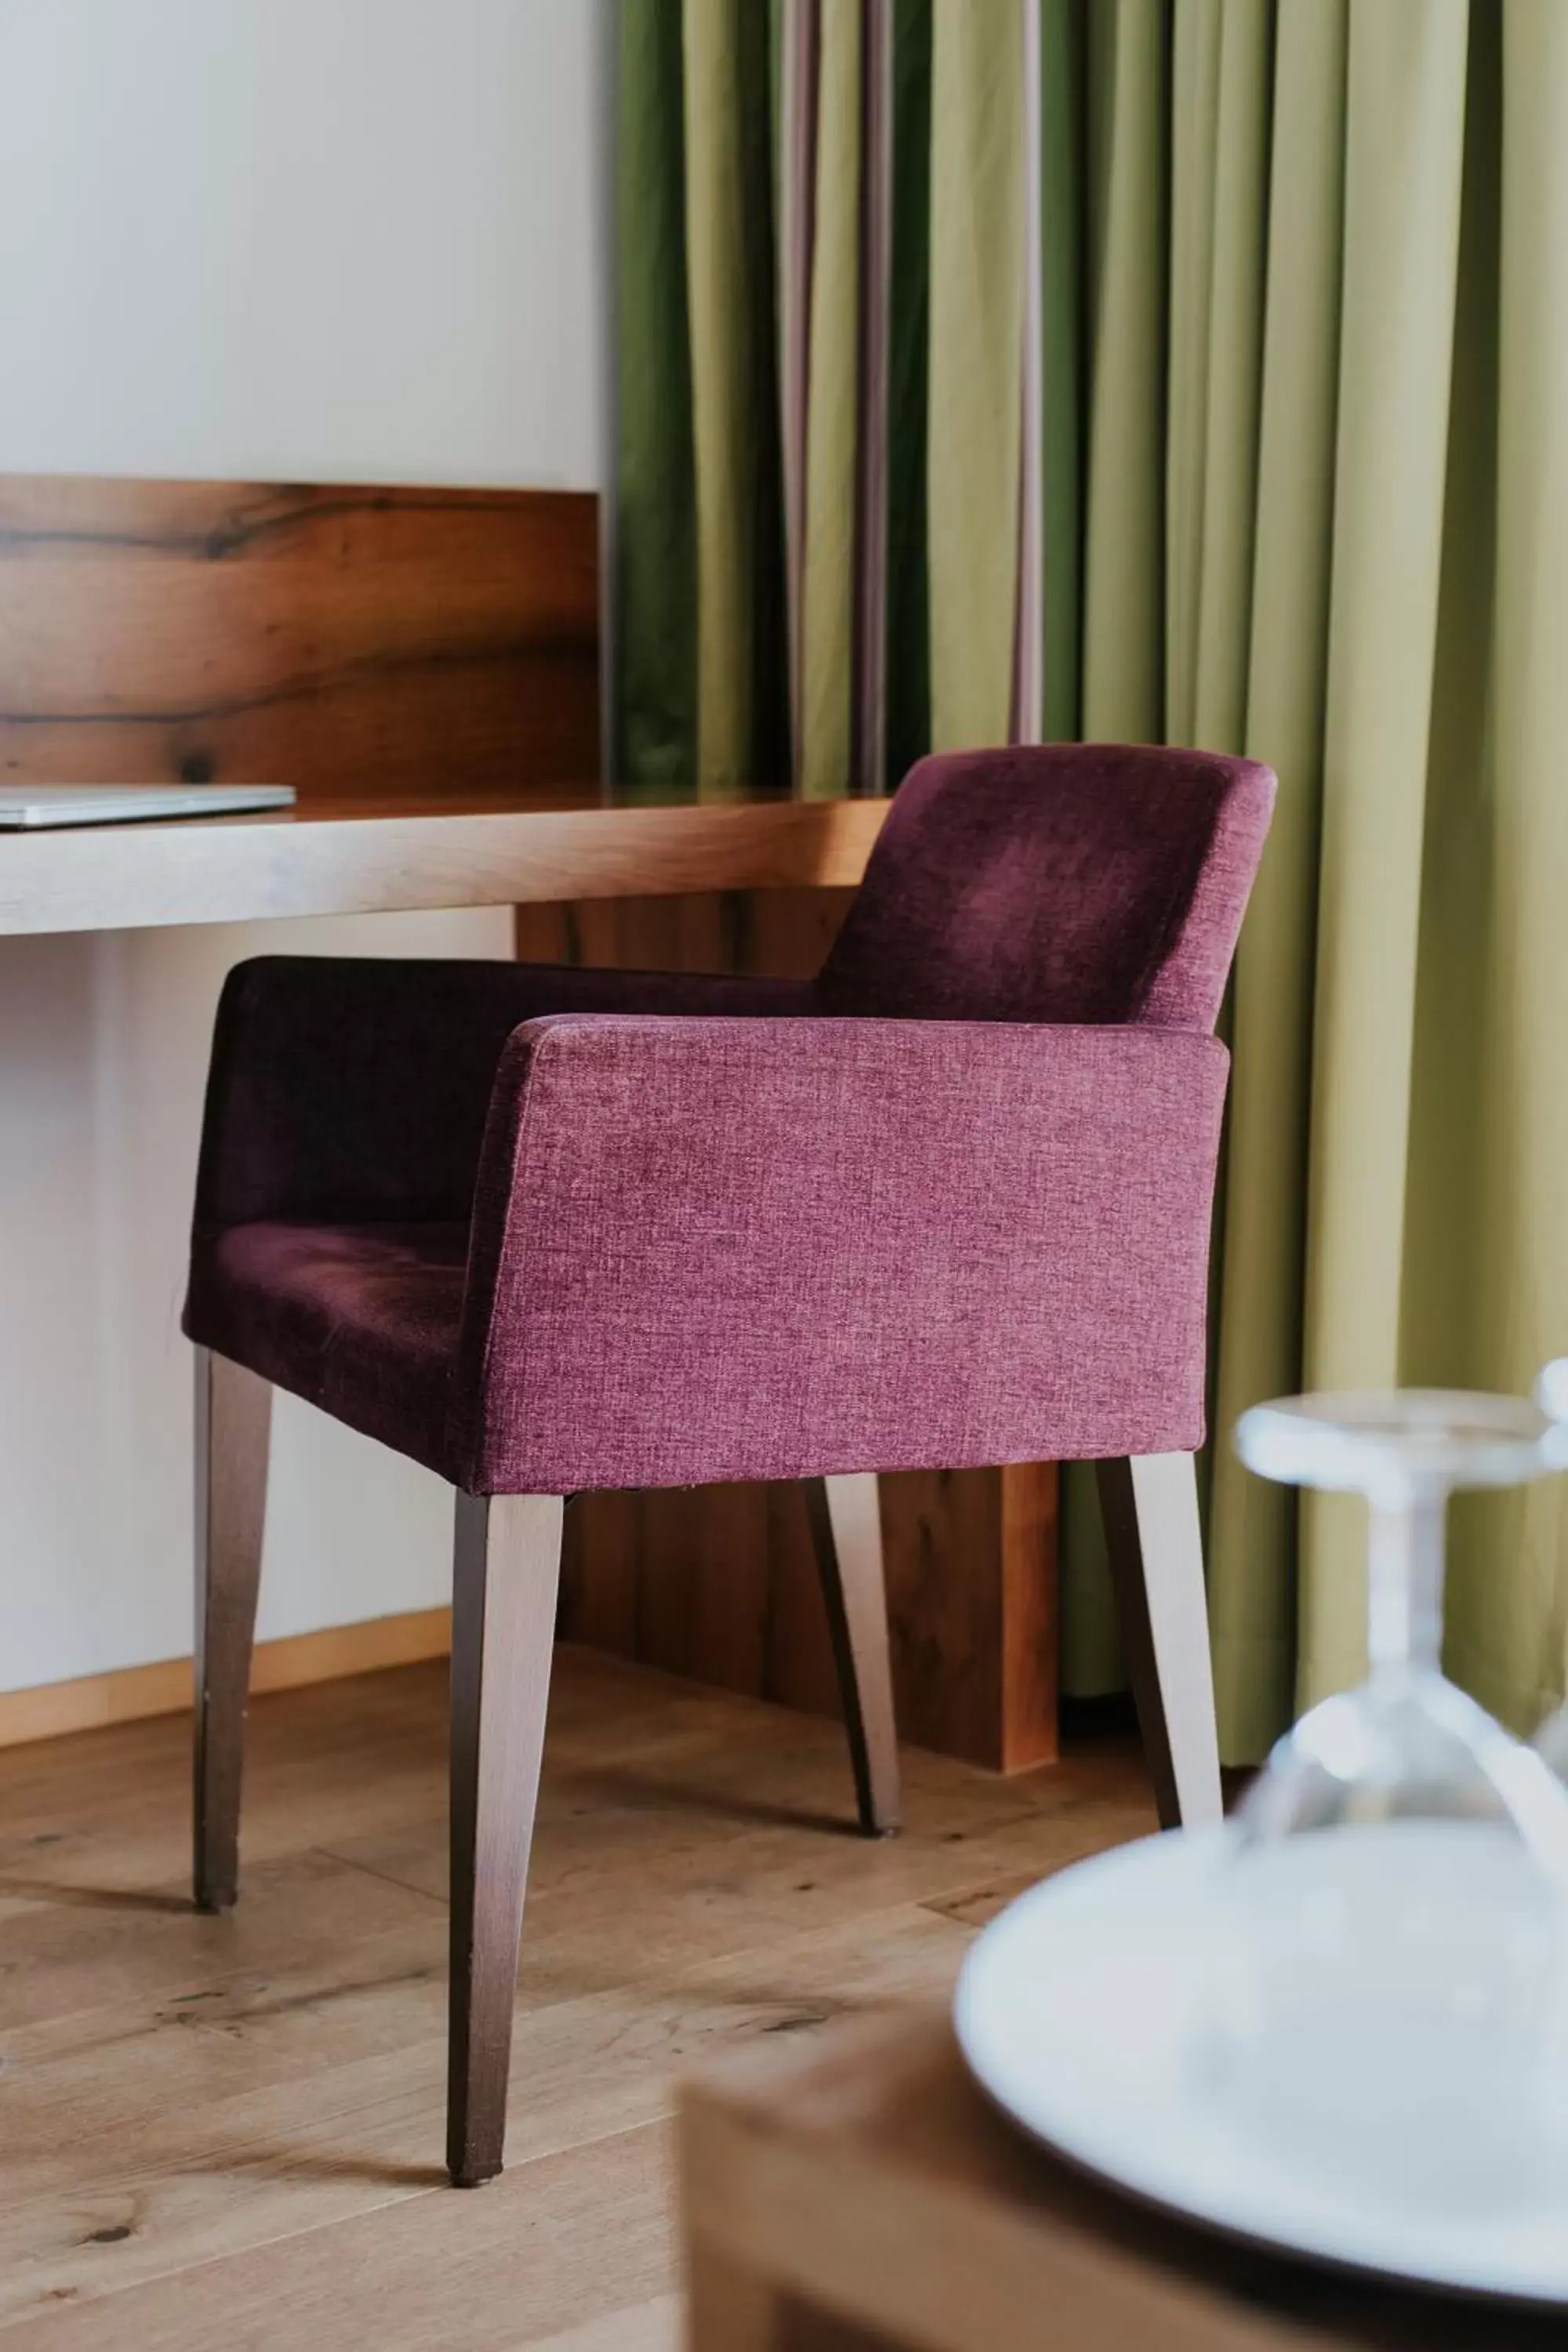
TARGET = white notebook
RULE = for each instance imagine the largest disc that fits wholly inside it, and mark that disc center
(29, 805)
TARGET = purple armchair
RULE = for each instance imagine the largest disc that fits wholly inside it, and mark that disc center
(547, 1230)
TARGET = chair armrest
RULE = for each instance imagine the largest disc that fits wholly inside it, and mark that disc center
(357, 1089)
(709, 1249)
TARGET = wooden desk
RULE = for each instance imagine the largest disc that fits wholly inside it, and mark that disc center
(864, 2194)
(375, 856)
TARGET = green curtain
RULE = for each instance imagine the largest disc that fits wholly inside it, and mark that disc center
(1191, 370)
(832, 441)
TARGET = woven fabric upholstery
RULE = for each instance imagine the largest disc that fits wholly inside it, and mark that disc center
(544, 1229)
(763, 1249)
(361, 1320)
(344, 1087)
(1068, 882)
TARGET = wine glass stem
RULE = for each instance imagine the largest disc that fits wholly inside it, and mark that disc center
(1404, 1587)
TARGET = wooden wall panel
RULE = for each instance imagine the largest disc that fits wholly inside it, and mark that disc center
(720, 1583)
(347, 640)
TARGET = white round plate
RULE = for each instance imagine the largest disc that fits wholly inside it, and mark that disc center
(1081, 2012)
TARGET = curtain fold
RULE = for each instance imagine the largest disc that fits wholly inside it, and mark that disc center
(829, 519)
(1219, 195)
(1403, 145)
(1190, 371)
(1127, 170)
(742, 730)
(1491, 1110)
(907, 641)
(1058, 94)
(654, 633)
(977, 192)
(1252, 1522)
(828, 278)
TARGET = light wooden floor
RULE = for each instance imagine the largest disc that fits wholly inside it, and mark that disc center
(228, 2132)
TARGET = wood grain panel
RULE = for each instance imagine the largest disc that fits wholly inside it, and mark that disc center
(343, 640)
(720, 1583)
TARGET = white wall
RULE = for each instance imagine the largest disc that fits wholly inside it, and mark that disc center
(305, 240)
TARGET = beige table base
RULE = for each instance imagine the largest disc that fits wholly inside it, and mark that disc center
(863, 2193)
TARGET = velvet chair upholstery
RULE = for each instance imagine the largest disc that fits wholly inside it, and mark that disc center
(547, 1230)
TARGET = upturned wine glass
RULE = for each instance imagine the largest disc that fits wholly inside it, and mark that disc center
(1399, 1887)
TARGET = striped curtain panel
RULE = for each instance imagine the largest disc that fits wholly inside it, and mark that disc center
(848, 416)
(1308, 260)
(1325, 521)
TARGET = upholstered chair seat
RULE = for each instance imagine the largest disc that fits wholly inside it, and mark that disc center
(547, 1230)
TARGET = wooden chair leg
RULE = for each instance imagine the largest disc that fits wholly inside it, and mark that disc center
(1151, 1510)
(506, 1573)
(846, 1529)
(234, 1415)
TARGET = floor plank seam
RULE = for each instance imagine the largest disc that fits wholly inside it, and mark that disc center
(385, 1877)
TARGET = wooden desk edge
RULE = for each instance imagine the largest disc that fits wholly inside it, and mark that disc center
(821, 2212)
(870, 2181)
(242, 869)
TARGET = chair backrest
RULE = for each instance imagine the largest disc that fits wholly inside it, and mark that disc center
(1078, 882)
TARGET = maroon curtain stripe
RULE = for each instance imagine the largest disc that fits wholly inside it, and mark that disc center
(869, 652)
(801, 46)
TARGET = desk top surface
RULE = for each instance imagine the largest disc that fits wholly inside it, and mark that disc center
(360, 854)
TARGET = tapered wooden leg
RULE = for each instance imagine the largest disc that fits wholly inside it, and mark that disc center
(506, 1571)
(234, 1415)
(1150, 1505)
(731, 2308)
(847, 1529)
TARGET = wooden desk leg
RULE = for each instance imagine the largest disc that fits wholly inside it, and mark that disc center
(728, 2308)
(1029, 1643)
(732, 2309)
